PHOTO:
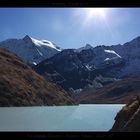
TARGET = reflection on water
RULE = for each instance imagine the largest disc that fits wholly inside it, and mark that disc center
(59, 118)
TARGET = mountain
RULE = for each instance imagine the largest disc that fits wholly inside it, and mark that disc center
(88, 46)
(124, 58)
(78, 69)
(120, 91)
(130, 53)
(75, 70)
(31, 50)
(21, 86)
(128, 119)
(69, 69)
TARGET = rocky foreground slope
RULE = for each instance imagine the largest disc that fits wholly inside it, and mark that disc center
(128, 119)
(21, 86)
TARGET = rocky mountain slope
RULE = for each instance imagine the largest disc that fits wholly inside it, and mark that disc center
(69, 70)
(82, 70)
(128, 119)
(31, 50)
(77, 69)
(21, 86)
(120, 91)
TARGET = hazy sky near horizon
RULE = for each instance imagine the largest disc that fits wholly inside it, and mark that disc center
(71, 27)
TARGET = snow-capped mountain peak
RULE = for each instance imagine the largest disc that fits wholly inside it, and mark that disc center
(31, 50)
(40, 43)
(45, 43)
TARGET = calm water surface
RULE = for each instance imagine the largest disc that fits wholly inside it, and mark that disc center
(95, 117)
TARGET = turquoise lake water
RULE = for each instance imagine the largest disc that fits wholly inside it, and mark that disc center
(91, 117)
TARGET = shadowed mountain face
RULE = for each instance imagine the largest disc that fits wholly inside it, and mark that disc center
(21, 86)
(120, 91)
(82, 71)
(69, 70)
(128, 119)
(77, 69)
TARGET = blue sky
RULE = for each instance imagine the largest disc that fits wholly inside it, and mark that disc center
(69, 27)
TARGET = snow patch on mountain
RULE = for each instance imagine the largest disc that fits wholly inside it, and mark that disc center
(31, 50)
(107, 59)
(113, 52)
(88, 67)
(47, 43)
(104, 57)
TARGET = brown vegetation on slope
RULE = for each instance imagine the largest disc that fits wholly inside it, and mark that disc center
(21, 86)
(118, 92)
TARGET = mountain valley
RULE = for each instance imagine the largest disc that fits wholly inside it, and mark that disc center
(101, 74)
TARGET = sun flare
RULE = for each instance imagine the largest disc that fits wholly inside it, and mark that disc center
(92, 16)
(96, 12)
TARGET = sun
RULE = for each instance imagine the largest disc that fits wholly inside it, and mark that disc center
(91, 17)
(96, 12)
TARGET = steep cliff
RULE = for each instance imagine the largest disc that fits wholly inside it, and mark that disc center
(128, 119)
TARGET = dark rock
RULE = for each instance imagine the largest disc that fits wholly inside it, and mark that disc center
(128, 119)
